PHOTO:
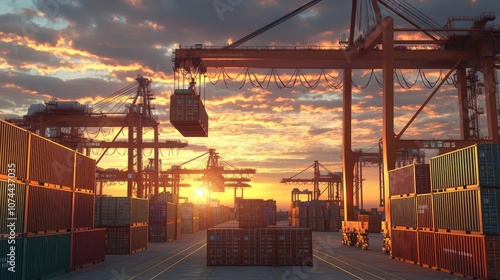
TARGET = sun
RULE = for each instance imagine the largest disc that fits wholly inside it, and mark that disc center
(200, 192)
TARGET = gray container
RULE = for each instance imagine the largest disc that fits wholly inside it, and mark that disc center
(120, 211)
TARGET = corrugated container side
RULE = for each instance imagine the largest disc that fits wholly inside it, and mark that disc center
(472, 166)
(267, 247)
(424, 211)
(49, 209)
(171, 231)
(157, 212)
(84, 210)
(85, 169)
(285, 249)
(492, 247)
(47, 254)
(223, 246)
(490, 205)
(249, 246)
(14, 150)
(404, 245)
(402, 180)
(171, 212)
(251, 213)
(463, 254)
(404, 212)
(126, 239)
(88, 247)
(188, 115)
(190, 226)
(139, 235)
(51, 162)
(18, 262)
(140, 211)
(457, 210)
(426, 248)
(12, 210)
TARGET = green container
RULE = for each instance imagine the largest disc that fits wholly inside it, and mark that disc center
(47, 254)
(17, 261)
(15, 214)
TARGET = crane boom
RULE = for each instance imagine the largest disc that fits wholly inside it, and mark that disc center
(272, 24)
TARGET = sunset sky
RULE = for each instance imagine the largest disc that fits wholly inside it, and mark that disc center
(86, 50)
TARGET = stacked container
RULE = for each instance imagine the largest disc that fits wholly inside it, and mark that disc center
(259, 246)
(458, 223)
(126, 223)
(162, 221)
(318, 215)
(190, 217)
(48, 194)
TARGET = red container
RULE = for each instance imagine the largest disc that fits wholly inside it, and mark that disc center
(126, 240)
(88, 247)
(251, 213)
(476, 256)
(374, 222)
(426, 248)
(188, 114)
(250, 246)
(13, 150)
(267, 247)
(411, 179)
(424, 211)
(404, 245)
(50, 162)
(84, 210)
(223, 246)
(403, 212)
(85, 169)
(49, 209)
(293, 246)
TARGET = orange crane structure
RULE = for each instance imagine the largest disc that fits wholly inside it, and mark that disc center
(442, 47)
(218, 175)
(130, 107)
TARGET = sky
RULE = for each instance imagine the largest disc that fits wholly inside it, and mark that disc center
(87, 50)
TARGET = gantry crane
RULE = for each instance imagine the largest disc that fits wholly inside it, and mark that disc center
(331, 179)
(213, 173)
(377, 47)
(130, 107)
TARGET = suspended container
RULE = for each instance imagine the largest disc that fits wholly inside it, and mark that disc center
(13, 150)
(188, 114)
(474, 166)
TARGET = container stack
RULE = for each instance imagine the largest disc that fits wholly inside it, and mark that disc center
(48, 192)
(318, 215)
(190, 217)
(126, 223)
(259, 246)
(458, 223)
(162, 221)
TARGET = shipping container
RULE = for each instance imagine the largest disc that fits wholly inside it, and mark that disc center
(424, 211)
(190, 226)
(472, 166)
(269, 212)
(85, 169)
(49, 210)
(84, 210)
(162, 212)
(12, 199)
(13, 150)
(120, 211)
(374, 222)
(50, 163)
(47, 254)
(426, 248)
(404, 245)
(251, 213)
(476, 256)
(475, 210)
(12, 261)
(293, 246)
(126, 239)
(250, 246)
(188, 115)
(161, 232)
(410, 179)
(88, 247)
(403, 211)
(267, 247)
(223, 246)
(165, 197)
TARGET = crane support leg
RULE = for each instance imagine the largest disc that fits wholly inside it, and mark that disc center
(348, 156)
